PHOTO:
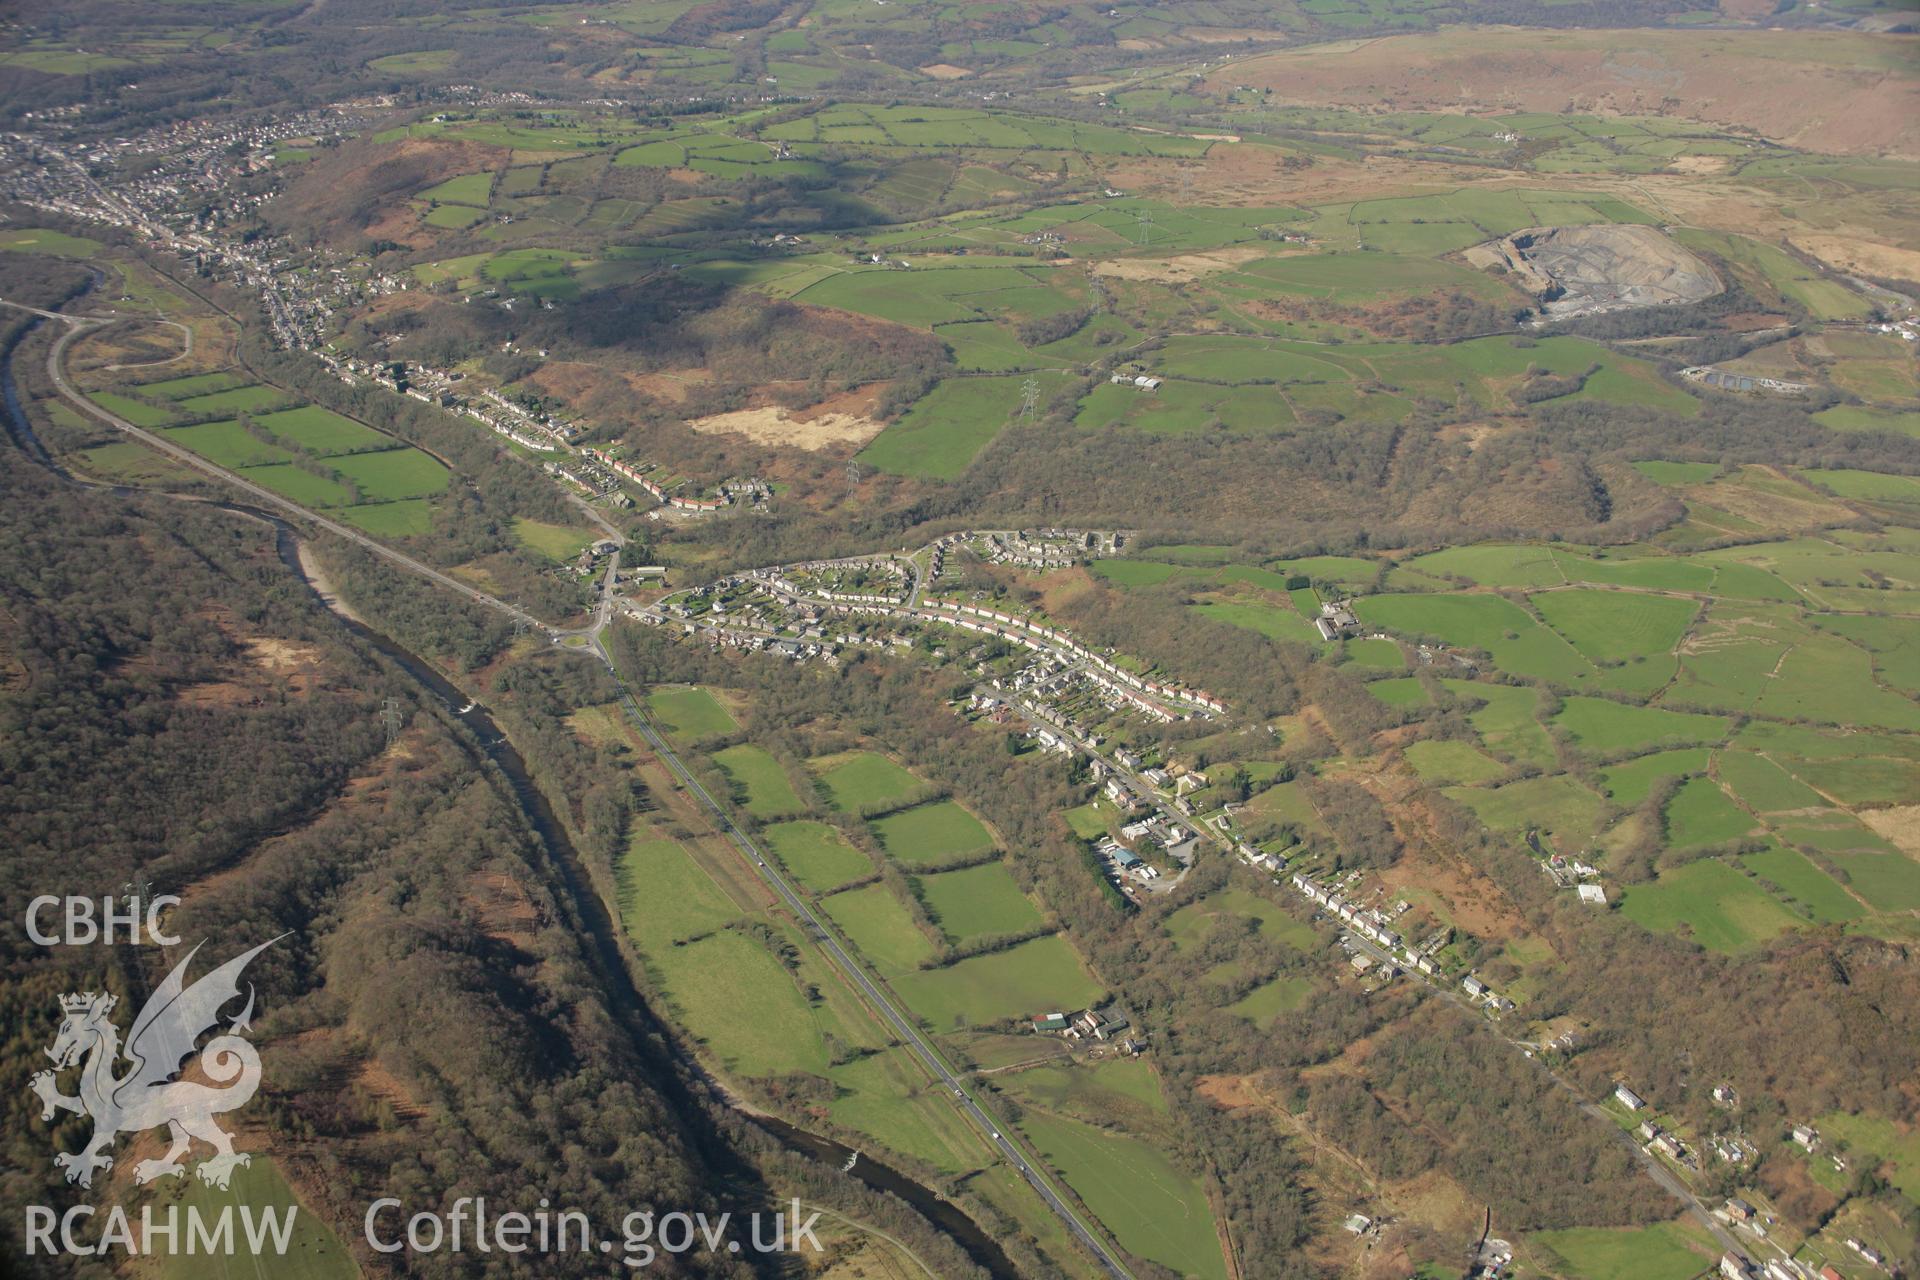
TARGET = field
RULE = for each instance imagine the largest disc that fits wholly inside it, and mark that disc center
(1700, 814)
(227, 444)
(1442, 762)
(558, 542)
(41, 240)
(1658, 1252)
(880, 927)
(1799, 881)
(931, 834)
(665, 898)
(1268, 1001)
(1558, 806)
(1233, 907)
(392, 474)
(139, 414)
(816, 854)
(248, 400)
(690, 712)
(322, 431)
(300, 486)
(738, 1002)
(760, 781)
(1034, 977)
(945, 430)
(1152, 1207)
(862, 780)
(1516, 642)
(313, 1252)
(1710, 903)
(1603, 726)
(403, 519)
(977, 902)
(1615, 625)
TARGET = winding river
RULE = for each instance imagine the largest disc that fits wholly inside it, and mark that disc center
(565, 858)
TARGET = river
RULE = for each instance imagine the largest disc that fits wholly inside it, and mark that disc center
(565, 858)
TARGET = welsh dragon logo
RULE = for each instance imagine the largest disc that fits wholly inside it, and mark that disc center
(147, 1095)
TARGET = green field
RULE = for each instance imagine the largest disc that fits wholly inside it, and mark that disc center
(1557, 805)
(817, 855)
(313, 1252)
(41, 240)
(134, 411)
(393, 473)
(295, 485)
(249, 400)
(557, 542)
(664, 896)
(1503, 629)
(883, 930)
(1616, 625)
(1603, 726)
(1628, 784)
(1233, 908)
(939, 437)
(740, 1003)
(1035, 977)
(1506, 724)
(931, 834)
(760, 781)
(1153, 1207)
(1276, 622)
(690, 712)
(1870, 485)
(862, 780)
(1659, 1252)
(322, 431)
(227, 444)
(1383, 655)
(1816, 891)
(1268, 1001)
(1440, 762)
(192, 384)
(1700, 814)
(467, 189)
(977, 902)
(403, 519)
(1711, 903)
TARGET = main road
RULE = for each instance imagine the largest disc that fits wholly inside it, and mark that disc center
(901, 1022)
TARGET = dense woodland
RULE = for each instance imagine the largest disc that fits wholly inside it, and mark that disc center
(442, 1012)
